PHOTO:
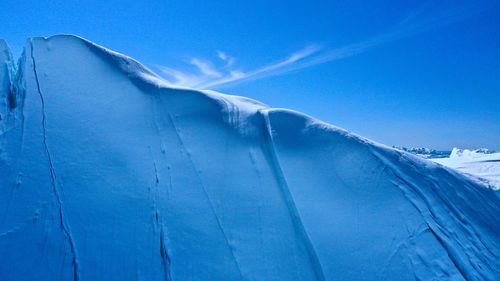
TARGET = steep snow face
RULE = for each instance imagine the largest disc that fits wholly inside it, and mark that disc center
(115, 176)
(481, 165)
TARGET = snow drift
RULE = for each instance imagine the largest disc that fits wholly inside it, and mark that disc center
(107, 174)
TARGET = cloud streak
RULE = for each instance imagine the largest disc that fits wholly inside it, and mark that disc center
(207, 76)
(206, 68)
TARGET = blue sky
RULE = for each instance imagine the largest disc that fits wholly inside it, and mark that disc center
(409, 73)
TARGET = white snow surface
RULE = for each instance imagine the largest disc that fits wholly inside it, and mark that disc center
(108, 174)
(478, 164)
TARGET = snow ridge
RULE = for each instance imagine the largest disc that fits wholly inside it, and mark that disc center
(176, 184)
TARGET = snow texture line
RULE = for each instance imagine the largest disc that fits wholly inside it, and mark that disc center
(451, 255)
(462, 223)
(449, 251)
(431, 216)
(290, 202)
(165, 258)
(205, 192)
(57, 196)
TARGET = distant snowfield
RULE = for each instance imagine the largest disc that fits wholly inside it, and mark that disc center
(481, 166)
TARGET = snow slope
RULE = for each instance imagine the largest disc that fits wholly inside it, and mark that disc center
(107, 174)
(482, 166)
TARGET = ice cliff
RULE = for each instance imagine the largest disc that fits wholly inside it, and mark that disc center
(108, 174)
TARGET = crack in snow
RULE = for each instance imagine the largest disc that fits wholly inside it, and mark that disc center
(165, 258)
(57, 196)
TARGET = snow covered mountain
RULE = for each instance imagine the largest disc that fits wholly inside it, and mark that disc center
(480, 164)
(108, 174)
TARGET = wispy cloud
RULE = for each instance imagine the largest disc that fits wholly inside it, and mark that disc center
(237, 75)
(206, 75)
(206, 68)
(180, 78)
(226, 58)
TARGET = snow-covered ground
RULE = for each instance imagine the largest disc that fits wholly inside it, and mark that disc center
(478, 164)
